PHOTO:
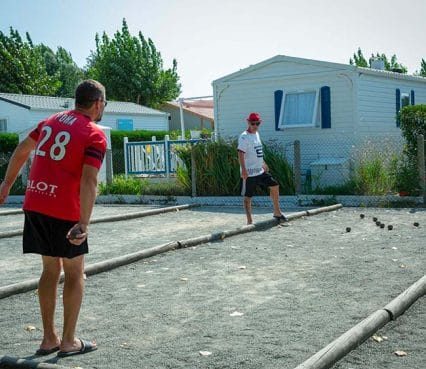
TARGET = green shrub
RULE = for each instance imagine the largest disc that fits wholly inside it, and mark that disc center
(140, 186)
(163, 189)
(348, 188)
(8, 142)
(413, 123)
(121, 186)
(407, 176)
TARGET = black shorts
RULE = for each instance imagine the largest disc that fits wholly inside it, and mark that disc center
(249, 187)
(46, 236)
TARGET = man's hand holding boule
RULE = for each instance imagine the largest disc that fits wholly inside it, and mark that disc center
(77, 234)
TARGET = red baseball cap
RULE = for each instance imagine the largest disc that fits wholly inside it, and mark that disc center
(254, 117)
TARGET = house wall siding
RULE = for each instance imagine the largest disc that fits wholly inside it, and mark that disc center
(377, 107)
(146, 122)
(17, 117)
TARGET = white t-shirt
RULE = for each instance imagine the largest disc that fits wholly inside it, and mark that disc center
(250, 144)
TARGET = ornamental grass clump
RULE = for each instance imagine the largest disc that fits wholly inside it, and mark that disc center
(216, 166)
(375, 168)
(218, 169)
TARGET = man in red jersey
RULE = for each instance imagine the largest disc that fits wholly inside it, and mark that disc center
(68, 152)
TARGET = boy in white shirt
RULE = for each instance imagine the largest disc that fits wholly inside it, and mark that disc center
(254, 171)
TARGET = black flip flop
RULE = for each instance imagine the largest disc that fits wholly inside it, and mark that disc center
(44, 352)
(281, 218)
(86, 346)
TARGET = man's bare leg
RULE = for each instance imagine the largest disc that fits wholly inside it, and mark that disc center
(47, 292)
(274, 192)
(73, 296)
(247, 207)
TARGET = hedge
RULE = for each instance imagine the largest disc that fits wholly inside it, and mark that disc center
(8, 142)
(117, 137)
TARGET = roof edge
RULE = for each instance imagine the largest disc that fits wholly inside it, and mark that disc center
(390, 74)
(199, 115)
(15, 103)
(281, 58)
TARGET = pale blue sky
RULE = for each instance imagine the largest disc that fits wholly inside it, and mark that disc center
(212, 38)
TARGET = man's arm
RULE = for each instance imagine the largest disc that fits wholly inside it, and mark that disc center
(88, 188)
(242, 161)
(18, 159)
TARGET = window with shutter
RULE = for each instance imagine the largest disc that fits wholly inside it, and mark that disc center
(298, 109)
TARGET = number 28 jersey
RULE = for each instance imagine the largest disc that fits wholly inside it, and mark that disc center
(65, 142)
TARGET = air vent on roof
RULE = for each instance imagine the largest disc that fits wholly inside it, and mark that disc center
(377, 64)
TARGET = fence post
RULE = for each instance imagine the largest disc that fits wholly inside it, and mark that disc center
(421, 165)
(126, 164)
(193, 173)
(297, 168)
(167, 157)
(108, 163)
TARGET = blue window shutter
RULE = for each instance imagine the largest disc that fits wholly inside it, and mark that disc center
(397, 105)
(278, 96)
(413, 101)
(325, 107)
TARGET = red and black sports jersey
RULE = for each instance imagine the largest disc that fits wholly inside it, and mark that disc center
(65, 142)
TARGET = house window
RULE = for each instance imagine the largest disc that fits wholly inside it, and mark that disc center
(3, 125)
(299, 109)
(125, 124)
(405, 100)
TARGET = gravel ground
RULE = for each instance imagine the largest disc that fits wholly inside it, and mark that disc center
(16, 222)
(297, 287)
(124, 237)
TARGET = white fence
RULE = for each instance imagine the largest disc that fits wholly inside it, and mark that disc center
(153, 157)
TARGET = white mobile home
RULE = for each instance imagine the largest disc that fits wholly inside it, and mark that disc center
(328, 107)
(20, 112)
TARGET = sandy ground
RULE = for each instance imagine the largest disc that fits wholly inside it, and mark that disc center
(267, 299)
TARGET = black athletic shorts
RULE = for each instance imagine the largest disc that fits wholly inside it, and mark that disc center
(46, 236)
(249, 185)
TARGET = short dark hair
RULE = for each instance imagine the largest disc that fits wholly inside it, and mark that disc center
(87, 92)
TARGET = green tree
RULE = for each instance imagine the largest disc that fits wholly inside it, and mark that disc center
(359, 59)
(22, 68)
(423, 68)
(62, 67)
(131, 69)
